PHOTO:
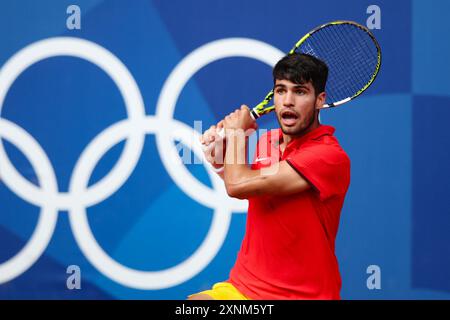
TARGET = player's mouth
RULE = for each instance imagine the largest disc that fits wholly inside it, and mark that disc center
(288, 118)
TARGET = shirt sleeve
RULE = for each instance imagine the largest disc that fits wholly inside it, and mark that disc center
(326, 167)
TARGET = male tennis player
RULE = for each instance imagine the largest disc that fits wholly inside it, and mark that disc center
(296, 188)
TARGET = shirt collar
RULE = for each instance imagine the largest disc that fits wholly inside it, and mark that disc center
(320, 131)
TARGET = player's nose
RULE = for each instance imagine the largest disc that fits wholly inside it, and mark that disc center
(288, 99)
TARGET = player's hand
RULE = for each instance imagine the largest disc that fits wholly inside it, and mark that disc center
(240, 119)
(214, 145)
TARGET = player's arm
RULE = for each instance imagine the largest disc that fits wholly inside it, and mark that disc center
(242, 182)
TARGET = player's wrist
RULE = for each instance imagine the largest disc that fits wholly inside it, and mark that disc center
(231, 133)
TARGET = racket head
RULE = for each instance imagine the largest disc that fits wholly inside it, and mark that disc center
(352, 54)
(353, 57)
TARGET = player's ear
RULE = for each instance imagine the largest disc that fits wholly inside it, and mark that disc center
(320, 100)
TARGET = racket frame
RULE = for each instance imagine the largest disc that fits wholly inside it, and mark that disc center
(261, 108)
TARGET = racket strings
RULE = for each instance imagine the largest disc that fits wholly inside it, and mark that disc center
(319, 41)
(350, 54)
(349, 69)
(365, 58)
(335, 69)
(348, 81)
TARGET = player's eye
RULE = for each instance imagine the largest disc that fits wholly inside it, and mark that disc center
(280, 91)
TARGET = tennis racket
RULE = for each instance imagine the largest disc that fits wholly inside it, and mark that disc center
(353, 57)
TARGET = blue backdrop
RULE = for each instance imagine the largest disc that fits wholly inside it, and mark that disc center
(149, 236)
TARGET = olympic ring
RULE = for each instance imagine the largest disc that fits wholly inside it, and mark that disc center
(48, 216)
(133, 129)
(66, 46)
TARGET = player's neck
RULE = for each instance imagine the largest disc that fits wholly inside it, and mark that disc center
(288, 138)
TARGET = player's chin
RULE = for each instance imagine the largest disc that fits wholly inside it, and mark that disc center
(291, 126)
(291, 130)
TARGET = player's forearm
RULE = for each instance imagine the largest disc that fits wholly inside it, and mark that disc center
(240, 181)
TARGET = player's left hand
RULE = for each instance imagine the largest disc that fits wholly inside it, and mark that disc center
(240, 119)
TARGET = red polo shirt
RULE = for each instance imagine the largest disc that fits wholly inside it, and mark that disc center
(288, 248)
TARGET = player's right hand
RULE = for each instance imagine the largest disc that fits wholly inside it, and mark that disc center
(214, 145)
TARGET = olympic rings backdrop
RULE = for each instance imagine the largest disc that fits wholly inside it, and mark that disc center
(94, 122)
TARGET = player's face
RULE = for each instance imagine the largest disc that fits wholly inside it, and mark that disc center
(296, 106)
